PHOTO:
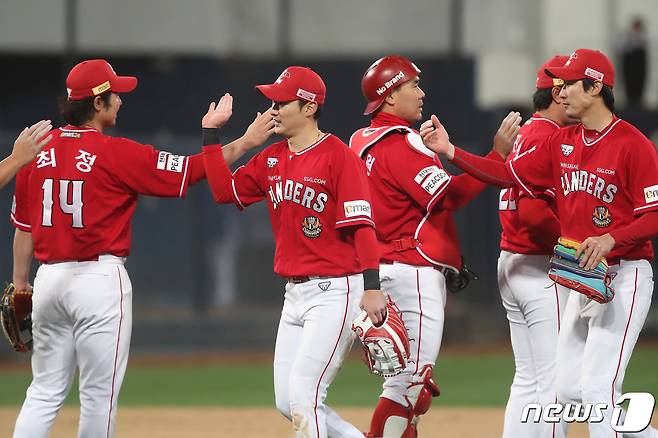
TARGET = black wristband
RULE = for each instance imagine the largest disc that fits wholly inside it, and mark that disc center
(210, 136)
(371, 279)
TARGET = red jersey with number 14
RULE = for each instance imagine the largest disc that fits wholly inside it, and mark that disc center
(516, 236)
(78, 196)
(602, 179)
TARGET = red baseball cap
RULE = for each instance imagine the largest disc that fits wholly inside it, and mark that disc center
(95, 76)
(585, 63)
(296, 83)
(546, 81)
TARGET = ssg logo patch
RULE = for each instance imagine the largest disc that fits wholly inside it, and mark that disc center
(271, 162)
(567, 149)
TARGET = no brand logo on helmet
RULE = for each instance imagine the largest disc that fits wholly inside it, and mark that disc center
(388, 84)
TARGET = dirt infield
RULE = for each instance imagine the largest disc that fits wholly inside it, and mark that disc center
(266, 423)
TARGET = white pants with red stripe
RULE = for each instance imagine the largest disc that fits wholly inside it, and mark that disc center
(82, 317)
(419, 292)
(533, 309)
(313, 340)
(596, 342)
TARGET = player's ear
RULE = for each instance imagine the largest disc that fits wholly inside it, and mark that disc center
(98, 103)
(390, 99)
(555, 93)
(310, 108)
(597, 88)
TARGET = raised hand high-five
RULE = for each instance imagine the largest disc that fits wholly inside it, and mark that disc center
(218, 113)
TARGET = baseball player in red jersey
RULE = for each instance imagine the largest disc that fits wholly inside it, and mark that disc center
(530, 229)
(72, 210)
(319, 204)
(606, 172)
(413, 197)
(28, 143)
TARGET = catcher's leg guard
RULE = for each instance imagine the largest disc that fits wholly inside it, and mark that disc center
(421, 391)
(390, 419)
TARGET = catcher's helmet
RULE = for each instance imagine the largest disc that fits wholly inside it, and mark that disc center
(383, 76)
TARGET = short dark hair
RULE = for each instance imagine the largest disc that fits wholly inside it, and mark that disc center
(542, 98)
(606, 93)
(78, 112)
(317, 113)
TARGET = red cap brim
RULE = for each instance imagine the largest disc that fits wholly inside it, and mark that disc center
(276, 93)
(372, 106)
(124, 84)
(564, 73)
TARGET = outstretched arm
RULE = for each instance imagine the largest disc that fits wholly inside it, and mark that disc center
(492, 172)
(256, 134)
(464, 188)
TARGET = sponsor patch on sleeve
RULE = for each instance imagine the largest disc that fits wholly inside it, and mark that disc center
(431, 178)
(651, 194)
(170, 162)
(357, 208)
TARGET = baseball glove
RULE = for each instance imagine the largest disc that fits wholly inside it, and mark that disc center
(564, 269)
(385, 346)
(16, 317)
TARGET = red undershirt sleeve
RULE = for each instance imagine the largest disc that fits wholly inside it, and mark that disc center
(640, 230)
(464, 188)
(490, 171)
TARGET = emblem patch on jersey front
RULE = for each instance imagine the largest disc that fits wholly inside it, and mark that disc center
(567, 149)
(271, 162)
(431, 178)
(311, 226)
(357, 208)
(651, 194)
(170, 162)
(601, 217)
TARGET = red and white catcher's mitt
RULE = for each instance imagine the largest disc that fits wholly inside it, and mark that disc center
(386, 346)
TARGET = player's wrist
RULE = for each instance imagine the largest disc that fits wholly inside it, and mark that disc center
(450, 152)
(14, 162)
(371, 279)
(210, 136)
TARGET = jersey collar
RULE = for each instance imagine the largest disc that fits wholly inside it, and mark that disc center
(387, 119)
(78, 128)
(537, 117)
(592, 136)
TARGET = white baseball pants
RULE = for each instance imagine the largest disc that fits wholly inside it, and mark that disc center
(419, 292)
(82, 317)
(313, 339)
(533, 309)
(596, 342)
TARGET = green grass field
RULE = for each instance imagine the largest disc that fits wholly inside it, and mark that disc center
(465, 380)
